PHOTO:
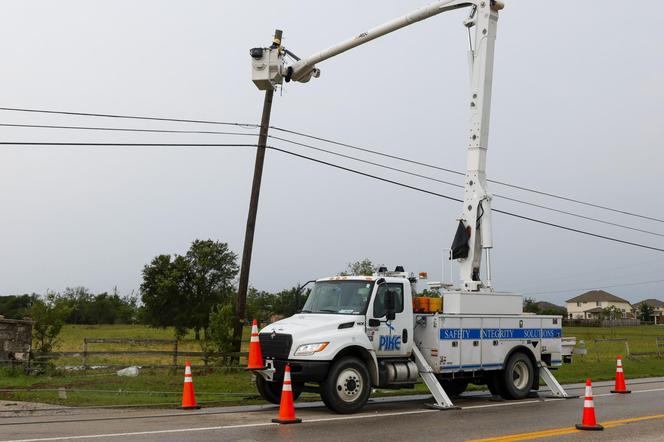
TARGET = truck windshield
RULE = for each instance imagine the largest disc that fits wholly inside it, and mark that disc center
(339, 297)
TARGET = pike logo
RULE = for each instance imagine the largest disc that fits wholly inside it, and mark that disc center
(389, 343)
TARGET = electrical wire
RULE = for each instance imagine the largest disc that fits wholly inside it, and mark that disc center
(526, 218)
(347, 169)
(564, 212)
(129, 117)
(326, 140)
(127, 129)
(308, 146)
(456, 172)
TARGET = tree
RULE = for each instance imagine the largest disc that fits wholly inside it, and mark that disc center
(164, 293)
(181, 291)
(260, 304)
(212, 269)
(48, 316)
(16, 307)
(359, 268)
(530, 305)
(645, 311)
(221, 326)
(612, 312)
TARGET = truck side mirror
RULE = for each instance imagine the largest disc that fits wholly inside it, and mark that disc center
(390, 305)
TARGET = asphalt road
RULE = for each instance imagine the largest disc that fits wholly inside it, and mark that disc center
(637, 416)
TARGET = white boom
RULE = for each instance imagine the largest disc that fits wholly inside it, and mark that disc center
(269, 70)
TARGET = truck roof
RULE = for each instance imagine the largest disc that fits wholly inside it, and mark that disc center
(363, 278)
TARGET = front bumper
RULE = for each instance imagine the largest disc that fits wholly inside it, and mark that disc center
(301, 371)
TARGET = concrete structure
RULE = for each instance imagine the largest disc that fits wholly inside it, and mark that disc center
(15, 339)
(590, 305)
(658, 309)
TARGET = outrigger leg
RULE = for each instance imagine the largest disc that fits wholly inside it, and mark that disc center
(557, 390)
(443, 401)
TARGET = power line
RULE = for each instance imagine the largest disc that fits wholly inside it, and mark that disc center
(83, 144)
(128, 129)
(326, 140)
(397, 183)
(502, 183)
(535, 220)
(601, 287)
(129, 117)
(564, 212)
(308, 146)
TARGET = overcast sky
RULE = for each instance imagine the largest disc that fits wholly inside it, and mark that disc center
(578, 110)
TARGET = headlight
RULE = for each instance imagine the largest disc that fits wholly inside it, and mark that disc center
(309, 349)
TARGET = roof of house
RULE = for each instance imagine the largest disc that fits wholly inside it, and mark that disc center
(597, 296)
(594, 310)
(651, 302)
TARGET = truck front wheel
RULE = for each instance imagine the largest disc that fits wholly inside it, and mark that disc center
(347, 386)
(271, 391)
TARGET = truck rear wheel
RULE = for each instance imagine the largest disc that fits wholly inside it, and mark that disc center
(347, 386)
(518, 376)
(495, 380)
(271, 391)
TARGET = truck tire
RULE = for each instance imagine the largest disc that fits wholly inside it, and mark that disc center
(271, 391)
(454, 387)
(347, 386)
(495, 381)
(518, 376)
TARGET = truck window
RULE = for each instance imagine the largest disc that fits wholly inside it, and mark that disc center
(379, 302)
(346, 297)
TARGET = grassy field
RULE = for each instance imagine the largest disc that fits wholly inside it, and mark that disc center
(162, 387)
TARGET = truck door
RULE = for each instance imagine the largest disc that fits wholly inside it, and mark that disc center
(391, 338)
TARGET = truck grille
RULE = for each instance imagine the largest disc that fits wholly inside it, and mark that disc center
(276, 345)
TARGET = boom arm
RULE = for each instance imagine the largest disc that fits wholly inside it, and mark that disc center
(269, 70)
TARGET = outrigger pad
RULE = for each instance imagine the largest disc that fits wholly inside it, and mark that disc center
(441, 407)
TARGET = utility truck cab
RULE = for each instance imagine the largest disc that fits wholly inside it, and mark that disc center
(353, 333)
(356, 333)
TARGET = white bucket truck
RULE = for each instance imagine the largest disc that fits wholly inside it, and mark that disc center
(357, 333)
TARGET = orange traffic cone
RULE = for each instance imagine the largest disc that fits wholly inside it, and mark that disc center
(620, 378)
(588, 422)
(286, 407)
(255, 354)
(188, 395)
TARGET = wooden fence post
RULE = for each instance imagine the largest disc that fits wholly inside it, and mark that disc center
(85, 353)
(175, 354)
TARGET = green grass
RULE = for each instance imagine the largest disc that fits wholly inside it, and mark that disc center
(600, 361)
(162, 387)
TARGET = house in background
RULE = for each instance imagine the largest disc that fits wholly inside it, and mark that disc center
(658, 309)
(590, 305)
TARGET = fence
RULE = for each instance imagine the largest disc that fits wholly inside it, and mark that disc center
(601, 322)
(174, 353)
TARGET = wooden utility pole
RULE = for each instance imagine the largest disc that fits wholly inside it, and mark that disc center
(253, 209)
